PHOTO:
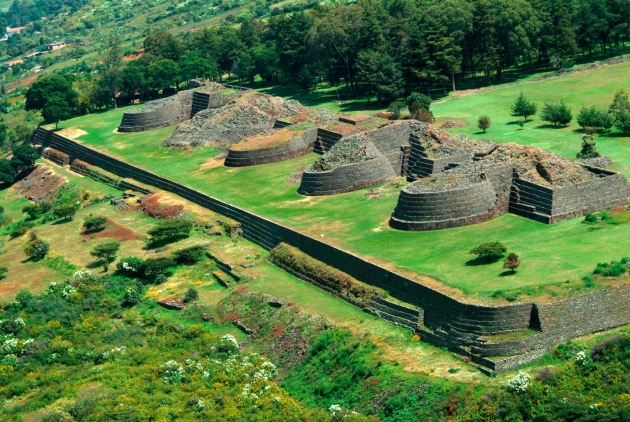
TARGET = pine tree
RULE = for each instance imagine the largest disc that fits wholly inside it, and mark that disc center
(589, 148)
(523, 107)
(564, 115)
(620, 108)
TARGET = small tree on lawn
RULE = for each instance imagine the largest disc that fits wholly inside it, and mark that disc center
(483, 123)
(66, 211)
(511, 262)
(32, 210)
(94, 223)
(563, 114)
(589, 148)
(523, 108)
(36, 248)
(106, 251)
(56, 109)
(490, 251)
(620, 108)
(170, 229)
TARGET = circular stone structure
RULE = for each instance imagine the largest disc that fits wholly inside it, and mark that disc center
(425, 207)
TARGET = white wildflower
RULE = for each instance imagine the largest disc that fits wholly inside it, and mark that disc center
(519, 383)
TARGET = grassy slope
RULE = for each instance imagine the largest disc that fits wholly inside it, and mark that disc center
(549, 254)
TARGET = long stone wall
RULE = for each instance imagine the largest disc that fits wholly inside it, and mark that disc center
(447, 321)
(296, 147)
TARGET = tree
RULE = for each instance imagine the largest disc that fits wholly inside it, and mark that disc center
(523, 107)
(94, 223)
(170, 229)
(163, 74)
(556, 113)
(158, 266)
(620, 108)
(379, 75)
(193, 65)
(163, 45)
(65, 211)
(32, 210)
(418, 102)
(36, 248)
(42, 90)
(483, 123)
(106, 251)
(490, 251)
(132, 80)
(85, 88)
(511, 262)
(589, 148)
(55, 110)
(596, 118)
(484, 37)
(7, 172)
(24, 157)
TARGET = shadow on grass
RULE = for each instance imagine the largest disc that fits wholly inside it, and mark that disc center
(481, 260)
(507, 273)
(549, 126)
(163, 242)
(32, 259)
(61, 221)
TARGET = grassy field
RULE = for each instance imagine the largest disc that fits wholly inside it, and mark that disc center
(550, 255)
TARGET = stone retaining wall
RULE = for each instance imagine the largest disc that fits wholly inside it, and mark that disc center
(56, 157)
(449, 322)
(296, 147)
(349, 177)
(175, 110)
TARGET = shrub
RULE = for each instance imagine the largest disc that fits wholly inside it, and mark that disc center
(523, 107)
(36, 249)
(156, 266)
(32, 210)
(191, 295)
(614, 269)
(589, 148)
(130, 266)
(170, 229)
(483, 123)
(490, 251)
(20, 229)
(395, 108)
(595, 117)
(590, 218)
(94, 223)
(131, 297)
(556, 113)
(588, 281)
(512, 262)
(3, 272)
(189, 255)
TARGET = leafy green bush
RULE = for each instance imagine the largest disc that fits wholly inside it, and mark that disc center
(170, 229)
(613, 269)
(590, 218)
(130, 266)
(490, 251)
(191, 295)
(156, 266)
(94, 223)
(20, 229)
(190, 255)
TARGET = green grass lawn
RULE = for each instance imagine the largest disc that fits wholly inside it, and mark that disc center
(550, 255)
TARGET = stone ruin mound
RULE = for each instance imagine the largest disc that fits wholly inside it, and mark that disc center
(453, 123)
(41, 185)
(351, 149)
(252, 113)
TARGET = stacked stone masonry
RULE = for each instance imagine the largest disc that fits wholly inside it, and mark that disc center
(447, 322)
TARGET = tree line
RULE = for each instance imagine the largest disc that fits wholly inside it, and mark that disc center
(375, 49)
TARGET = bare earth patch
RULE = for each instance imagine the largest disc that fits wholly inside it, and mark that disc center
(296, 175)
(72, 132)
(279, 137)
(212, 163)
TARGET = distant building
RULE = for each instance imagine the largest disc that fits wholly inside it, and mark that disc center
(13, 31)
(37, 69)
(13, 62)
(56, 45)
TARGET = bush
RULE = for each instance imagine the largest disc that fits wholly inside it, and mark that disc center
(589, 148)
(3, 272)
(395, 108)
(490, 251)
(94, 223)
(189, 255)
(170, 229)
(588, 281)
(130, 266)
(20, 229)
(157, 266)
(614, 269)
(36, 249)
(483, 123)
(131, 297)
(590, 218)
(191, 295)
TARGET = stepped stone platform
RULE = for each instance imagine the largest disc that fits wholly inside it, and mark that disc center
(480, 331)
